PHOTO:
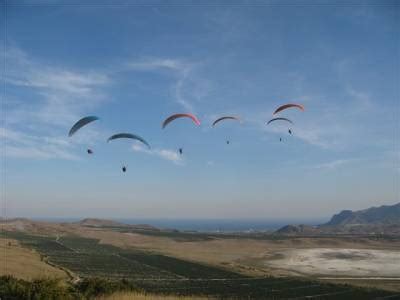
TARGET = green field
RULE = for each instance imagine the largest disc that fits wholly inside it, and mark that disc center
(157, 273)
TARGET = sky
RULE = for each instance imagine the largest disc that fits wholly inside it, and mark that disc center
(134, 63)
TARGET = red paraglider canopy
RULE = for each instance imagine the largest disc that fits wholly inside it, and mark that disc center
(176, 116)
(289, 105)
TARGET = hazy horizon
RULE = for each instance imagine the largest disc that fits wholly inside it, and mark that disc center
(293, 220)
(238, 224)
(134, 64)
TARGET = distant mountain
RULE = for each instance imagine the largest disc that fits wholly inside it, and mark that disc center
(92, 222)
(375, 220)
(42, 227)
(383, 215)
(297, 229)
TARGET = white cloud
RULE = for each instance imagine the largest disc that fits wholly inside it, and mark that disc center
(311, 132)
(157, 63)
(59, 80)
(316, 137)
(362, 100)
(166, 154)
(178, 91)
(324, 124)
(169, 155)
(39, 152)
(57, 97)
(185, 79)
(21, 145)
(333, 165)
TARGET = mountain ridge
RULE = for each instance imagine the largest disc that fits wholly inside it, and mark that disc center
(383, 219)
(384, 215)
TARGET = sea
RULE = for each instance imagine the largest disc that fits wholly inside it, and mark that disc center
(204, 225)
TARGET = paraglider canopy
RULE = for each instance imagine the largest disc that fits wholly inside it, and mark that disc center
(279, 119)
(177, 116)
(225, 118)
(82, 122)
(128, 136)
(289, 105)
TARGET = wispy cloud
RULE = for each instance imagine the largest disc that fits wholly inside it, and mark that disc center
(178, 90)
(20, 145)
(60, 94)
(361, 100)
(166, 154)
(320, 137)
(184, 71)
(57, 96)
(325, 124)
(39, 152)
(158, 63)
(333, 165)
(310, 131)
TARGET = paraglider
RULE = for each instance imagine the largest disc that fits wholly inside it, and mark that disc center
(89, 119)
(177, 116)
(279, 119)
(78, 125)
(128, 136)
(225, 118)
(82, 122)
(289, 105)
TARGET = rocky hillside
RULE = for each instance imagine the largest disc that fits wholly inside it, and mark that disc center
(382, 215)
(298, 229)
(375, 220)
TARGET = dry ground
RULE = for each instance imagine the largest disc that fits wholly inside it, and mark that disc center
(350, 257)
(136, 296)
(236, 252)
(387, 284)
(339, 262)
(289, 256)
(24, 263)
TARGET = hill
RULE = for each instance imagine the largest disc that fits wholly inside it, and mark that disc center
(103, 223)
(382, 215)
(24, 263)
(298, 229)
(100, 223)
(375, 220)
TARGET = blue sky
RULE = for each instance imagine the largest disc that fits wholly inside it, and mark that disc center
(134, 63)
